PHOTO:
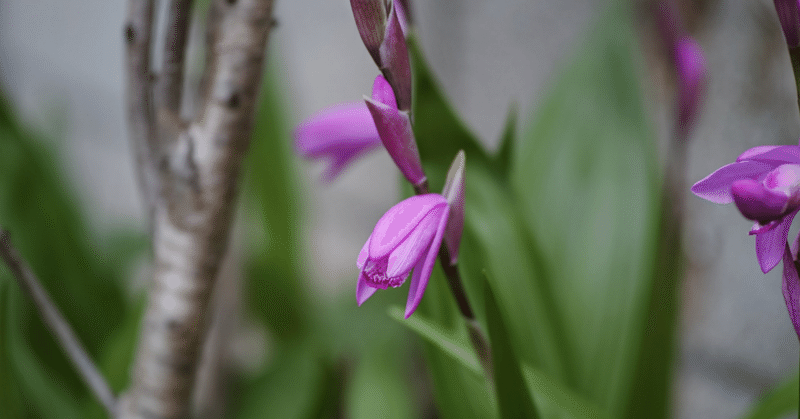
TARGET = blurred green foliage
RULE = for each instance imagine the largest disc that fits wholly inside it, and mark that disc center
(85, 276)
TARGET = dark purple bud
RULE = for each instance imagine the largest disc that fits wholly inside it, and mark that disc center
(394, 61)
(789, 16)
(371, 23)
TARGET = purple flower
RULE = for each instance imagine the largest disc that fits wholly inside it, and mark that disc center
(691, 68)
(394, 128)
(689, 62)
(789, 16)
(791, 286)
(339, 134)
(764, 183)
(407, 237)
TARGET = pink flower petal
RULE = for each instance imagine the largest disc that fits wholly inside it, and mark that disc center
(716, 187)
(363, 291)
(423, 270)
(791, 289)
(400, 221)
(770, 244)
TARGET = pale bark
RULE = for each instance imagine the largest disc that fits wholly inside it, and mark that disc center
(198, 175)
(169, 88)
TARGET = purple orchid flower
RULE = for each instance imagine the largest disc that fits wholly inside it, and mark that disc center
(789, 16)
(764, 183)
(341, 134)
(791, 285)
(394, 129)
(407, 237)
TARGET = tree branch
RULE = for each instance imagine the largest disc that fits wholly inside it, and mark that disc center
(141, 117)
(192, 216)
(55, 321)
(169, 88)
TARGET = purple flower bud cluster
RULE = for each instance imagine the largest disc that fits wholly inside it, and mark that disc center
(408, 237)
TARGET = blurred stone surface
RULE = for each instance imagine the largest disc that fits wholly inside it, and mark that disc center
(62, 61)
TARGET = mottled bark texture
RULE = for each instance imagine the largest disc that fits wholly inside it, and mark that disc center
(198, 165)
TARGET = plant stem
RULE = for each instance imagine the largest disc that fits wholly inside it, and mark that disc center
(55, 321)
(450, 270)
(794, 56)
(477, 337)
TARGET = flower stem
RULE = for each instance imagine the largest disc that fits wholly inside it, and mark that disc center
(794, 56)
(450, 270)
(476, 336)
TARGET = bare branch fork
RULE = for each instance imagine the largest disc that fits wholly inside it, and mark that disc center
(189, 173)
(57, 324)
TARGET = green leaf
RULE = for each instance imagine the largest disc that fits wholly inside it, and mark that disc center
(275, 270)
(513, 399)
(446, 341)
(379, 387)
(440, 133)
(503, 159)
(84, 279)
(459, 392)
(492, 238)
(493, 241)
(586, 179)
(650, 390)
(778, 403)
(9, 391)
(292, 388)
(48, 394)
(557, 396)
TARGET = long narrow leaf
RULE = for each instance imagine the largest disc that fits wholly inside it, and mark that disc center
(546, 389)
(442, 339)
(779, 402)
(513, 399)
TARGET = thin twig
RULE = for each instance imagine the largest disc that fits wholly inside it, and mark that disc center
(54, 320)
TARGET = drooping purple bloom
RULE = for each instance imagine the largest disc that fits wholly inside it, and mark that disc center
(791, 286)
(407, 237)
(764, 183)
(453, 191)
(395, 131)
(383, 33)
(789, 16)
(339, 134)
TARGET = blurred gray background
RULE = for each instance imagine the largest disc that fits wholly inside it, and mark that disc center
(61, 63)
